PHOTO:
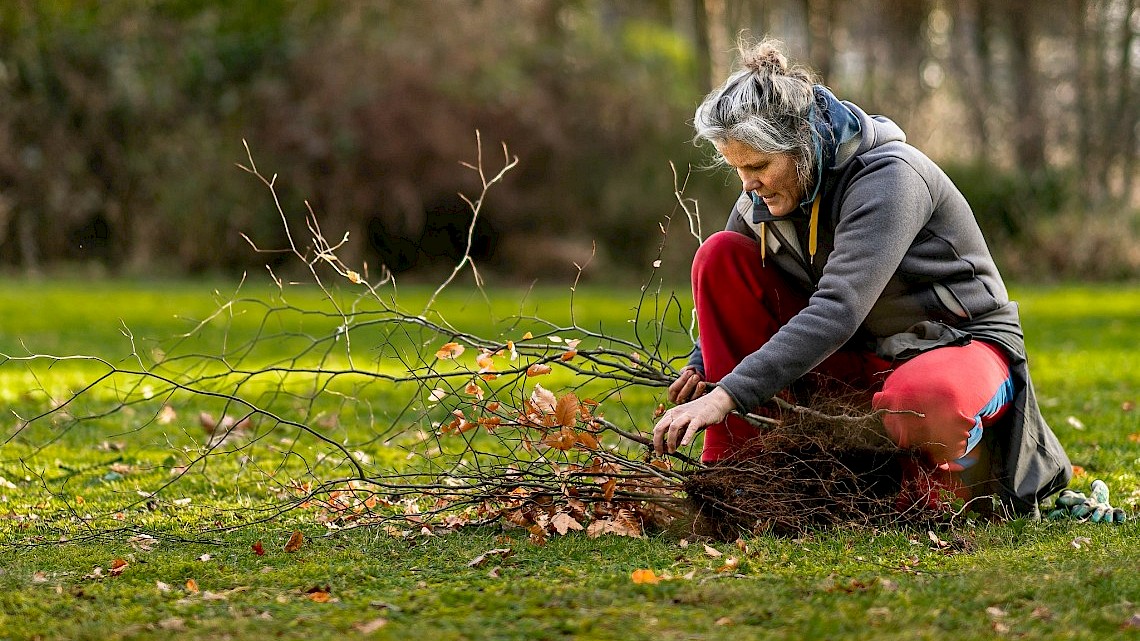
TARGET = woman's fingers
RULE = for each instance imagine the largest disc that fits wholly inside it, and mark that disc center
(689, 385)
(679, 426)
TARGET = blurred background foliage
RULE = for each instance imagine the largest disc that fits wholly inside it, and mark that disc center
(121, 123)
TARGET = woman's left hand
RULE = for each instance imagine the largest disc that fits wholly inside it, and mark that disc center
(682, 423)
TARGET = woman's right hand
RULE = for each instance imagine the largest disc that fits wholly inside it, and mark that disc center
(689, 385)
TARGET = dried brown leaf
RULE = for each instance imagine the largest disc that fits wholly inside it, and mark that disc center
(566, 410)
(543, 400)
(563, 523)
(563, 439)
(608, 488)
(118, 566)
(191, 586)
(482, 558)
(645, 577)
(296, 540)
(538, 369)
(588, 440)
(449, 351)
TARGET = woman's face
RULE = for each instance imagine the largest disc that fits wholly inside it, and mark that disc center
(772, 176)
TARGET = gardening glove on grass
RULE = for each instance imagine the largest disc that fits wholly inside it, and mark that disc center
(1094, 508)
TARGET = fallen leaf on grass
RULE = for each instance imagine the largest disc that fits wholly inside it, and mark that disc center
(1127, 406)
(1043, 613)
(643, 576)
(1135, 438)
(173, 623)
(1075, 423)
(205, 557)
(938, 543)
(162, 587)
(6, 484)
(730, 564)
(143, 542)
(713, 552)
(371, 626)
(192, 586)
(295, 541)
(722, 620)
(995, 612)
(482, 558)
(1077, 542)
(563, 523)
(1078, 470)
(118, 566)
(39, 577)
(319, 594)
(258, 548)
(1133, 622)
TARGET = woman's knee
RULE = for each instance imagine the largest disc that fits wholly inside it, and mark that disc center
(927, 411)
(956, 390)
(724, 247)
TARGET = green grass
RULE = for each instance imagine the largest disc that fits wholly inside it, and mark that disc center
(1020, 580)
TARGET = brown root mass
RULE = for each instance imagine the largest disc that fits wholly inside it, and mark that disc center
(828, 466)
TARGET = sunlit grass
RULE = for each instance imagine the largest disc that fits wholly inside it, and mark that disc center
(890, 583)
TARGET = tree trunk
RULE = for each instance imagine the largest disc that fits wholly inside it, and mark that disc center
(1029, 119)
(821, 16)
(971, 64)
(1126, 118)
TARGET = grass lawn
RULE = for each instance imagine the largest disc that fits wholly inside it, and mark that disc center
(201, 578)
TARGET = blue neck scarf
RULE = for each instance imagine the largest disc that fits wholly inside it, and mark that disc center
(832, 125)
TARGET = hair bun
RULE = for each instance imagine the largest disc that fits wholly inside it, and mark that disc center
(765, 58)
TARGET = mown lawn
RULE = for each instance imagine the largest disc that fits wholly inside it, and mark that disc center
(1050, 580)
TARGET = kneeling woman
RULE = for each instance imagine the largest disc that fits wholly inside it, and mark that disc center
(850, 254)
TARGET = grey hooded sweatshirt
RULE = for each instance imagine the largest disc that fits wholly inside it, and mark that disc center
(901, 267)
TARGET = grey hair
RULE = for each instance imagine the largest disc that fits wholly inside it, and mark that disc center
(765, 105)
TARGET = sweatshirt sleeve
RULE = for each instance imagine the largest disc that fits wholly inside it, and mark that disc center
(883, 210)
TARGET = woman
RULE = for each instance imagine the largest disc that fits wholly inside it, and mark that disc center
(850, 254)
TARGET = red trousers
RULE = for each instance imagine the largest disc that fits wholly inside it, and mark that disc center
(958, 390)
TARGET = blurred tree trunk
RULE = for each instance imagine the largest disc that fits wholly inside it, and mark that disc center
(896, 48)
(1126, 118)
(1098, 124)
(703, 48)
(713, 51)
(1085, 54)
(1029, 117)
(821, 18)
(971, 64)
